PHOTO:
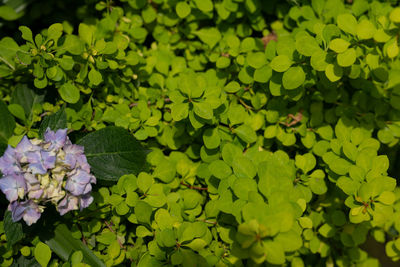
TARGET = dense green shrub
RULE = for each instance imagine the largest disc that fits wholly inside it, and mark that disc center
(271, 130)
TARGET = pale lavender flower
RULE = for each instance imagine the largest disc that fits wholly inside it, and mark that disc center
(33, 186)
(41, 171)
(56, 139)
(68, 203)
(85, 201)
(72, 152)
(13, 186)
(28, 210)
(9, 163)
(41, 161)
(79, 182)
(24, 148)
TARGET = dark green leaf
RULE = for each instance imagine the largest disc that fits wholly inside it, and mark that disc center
(113, 152)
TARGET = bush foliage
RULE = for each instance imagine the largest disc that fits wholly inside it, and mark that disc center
(268, 130)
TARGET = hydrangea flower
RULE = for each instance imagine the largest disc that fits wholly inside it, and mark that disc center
(37, 171)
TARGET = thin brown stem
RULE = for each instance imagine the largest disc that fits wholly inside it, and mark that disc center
(194, 187)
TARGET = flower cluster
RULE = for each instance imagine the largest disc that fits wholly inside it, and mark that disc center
(37, 171)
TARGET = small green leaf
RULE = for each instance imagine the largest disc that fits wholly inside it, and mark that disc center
(256, 60)
(333, 72)
(26, 33)
(179, 111)
(210, 36)
(347, 58)
(339, 45)
(263, 74)
(347, 23)
(365, 29)
(69, 92)
(246, 133)
(165, 171)
(95, 77)
(203, 110)
(293, 78)
(232, 87)
(182, 9)
(55, 31)
(281, 63)
(395, 15)
(73, 44)
(219, 169)
(204, 5)
(42, 254)
(307, 45)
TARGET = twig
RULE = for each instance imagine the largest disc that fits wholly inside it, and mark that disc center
(113, 231)
(194, 187)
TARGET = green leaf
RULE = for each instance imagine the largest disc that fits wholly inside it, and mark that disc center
(223, 62)
(395, 15)
(318, 60)
(95, 76)
(340, 166)
(7, 123)
(365, 29)
(243, 167)
(339, 45)
(293, 78)
(179, 111)
(211, 138)
(263, 74)
(232, 87)
(281, 63)
(8, 13)
(387, 198)
(143, 212)
(256, 60)
(13, 230)
(246, 133)
(204, 5)
(17, 111)
(69, 92)
(113, 152)
(54, 121)
(27, 98)
(42, 254)
(219, 169)
(347, 23)
(8, 51)
(203, 110)
(274, 252)
(182, 9)
(26, 34)
(307, 45)
(210, 36)
(243, 186)
(165, 171)
(73, 45)
(317, 182)
(64, 244)
(306, 222)
(55, 31)
(347, 58)
(333, 72)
